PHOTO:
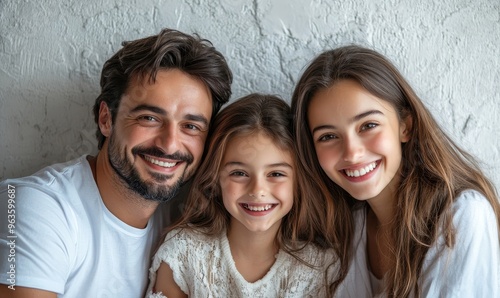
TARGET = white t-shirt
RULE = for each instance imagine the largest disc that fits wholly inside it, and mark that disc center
(67, 241)
(203, 267)
(470, 269)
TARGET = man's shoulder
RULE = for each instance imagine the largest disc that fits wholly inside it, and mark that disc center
(50, 177)
(57, 186)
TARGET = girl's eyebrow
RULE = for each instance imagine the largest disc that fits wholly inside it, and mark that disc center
(233, 163)
(353, 119)
(279, 164)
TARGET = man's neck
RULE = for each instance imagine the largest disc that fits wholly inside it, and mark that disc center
(124, 203)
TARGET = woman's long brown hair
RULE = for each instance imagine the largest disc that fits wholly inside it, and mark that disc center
(434, 169)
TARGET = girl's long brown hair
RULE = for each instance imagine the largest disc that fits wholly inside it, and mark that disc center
(434, 169)
(205, 212)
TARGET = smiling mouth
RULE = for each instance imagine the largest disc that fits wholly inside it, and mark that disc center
(160, 163)
(361, 172)
(258, 208)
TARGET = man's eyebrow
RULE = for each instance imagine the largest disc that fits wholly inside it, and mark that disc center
(353, 119)
(197, 118)
(157, 110)
(154, 109)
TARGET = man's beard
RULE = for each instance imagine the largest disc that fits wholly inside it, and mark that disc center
(153, 189)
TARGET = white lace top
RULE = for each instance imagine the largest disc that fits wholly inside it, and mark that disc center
(203, 267)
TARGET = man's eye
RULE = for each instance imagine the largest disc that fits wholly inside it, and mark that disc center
(192, 127)
(147, 120)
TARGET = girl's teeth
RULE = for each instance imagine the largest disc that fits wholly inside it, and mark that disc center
(257, 208)
(362, 171)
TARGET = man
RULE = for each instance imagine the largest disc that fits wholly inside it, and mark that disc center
(87, 228)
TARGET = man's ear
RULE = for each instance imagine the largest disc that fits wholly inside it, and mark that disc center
(405, 129)
(105, 119)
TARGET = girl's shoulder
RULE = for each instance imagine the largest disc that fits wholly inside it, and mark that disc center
(313, 255)
(188, 238)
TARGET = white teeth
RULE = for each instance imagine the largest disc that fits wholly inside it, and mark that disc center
(160, 163)
(362, 171)
(257, 208)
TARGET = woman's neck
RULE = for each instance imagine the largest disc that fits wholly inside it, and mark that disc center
(382, 210)
(254, 253)
(380, 242)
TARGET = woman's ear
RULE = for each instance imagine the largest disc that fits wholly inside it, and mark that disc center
(405, 129)
(105, 119)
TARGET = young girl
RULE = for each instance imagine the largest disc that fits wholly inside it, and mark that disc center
(412, 211)
(246, 230)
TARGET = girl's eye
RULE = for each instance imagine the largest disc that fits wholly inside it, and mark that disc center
(277, 174)
(327, 137)
(369, 125)
(238, 174)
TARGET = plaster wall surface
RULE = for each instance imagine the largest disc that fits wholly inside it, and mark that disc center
(51, 54)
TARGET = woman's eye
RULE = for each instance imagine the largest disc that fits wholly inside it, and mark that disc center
(369, 126)
(326, 137)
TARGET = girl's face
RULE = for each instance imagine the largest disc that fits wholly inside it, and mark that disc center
(256, 179)
(357, 138)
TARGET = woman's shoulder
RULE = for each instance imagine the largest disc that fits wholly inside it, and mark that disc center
(470, 205)
(470, 197)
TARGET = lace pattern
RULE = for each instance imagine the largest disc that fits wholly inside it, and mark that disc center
(203, 267)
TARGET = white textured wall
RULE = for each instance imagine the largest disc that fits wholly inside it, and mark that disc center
(51, 53)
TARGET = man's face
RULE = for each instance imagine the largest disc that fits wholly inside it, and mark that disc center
(159, 133)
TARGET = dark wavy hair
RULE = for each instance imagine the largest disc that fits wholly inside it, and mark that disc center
(170, 49)
(434, 170)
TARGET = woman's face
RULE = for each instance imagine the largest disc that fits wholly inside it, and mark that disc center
(357, 138)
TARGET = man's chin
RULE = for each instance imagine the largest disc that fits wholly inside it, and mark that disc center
(158, 187)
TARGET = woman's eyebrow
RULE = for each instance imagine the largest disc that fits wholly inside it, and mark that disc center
(352, 120)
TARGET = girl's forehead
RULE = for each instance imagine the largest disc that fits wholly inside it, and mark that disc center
(254, 145)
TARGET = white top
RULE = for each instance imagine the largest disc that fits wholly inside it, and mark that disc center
(203, 267)
(67, 241)
(470, 269)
